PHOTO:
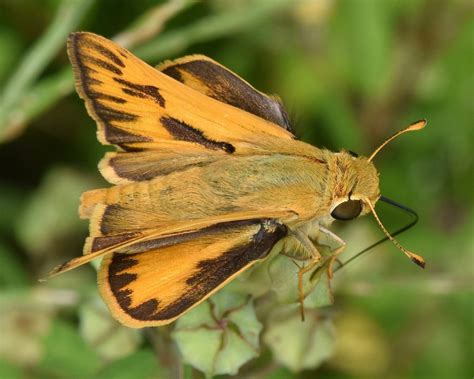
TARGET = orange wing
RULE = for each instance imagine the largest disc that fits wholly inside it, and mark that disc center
(157, 281)
(137, 107)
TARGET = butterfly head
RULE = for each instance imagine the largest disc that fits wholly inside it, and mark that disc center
(356, 188)
(355, 181)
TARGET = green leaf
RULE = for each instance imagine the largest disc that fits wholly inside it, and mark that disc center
(10, 49)
(12, 272)
(233, 353)
(362, 44)
(106, 336)
(284, 275)
(255, 281)
(23, 326)
(299, 345)
(228, 328)
(281, 373)
(12, 201)
(363, 351)
(340, 122)
(10, 371)
(139, 365)
(191, 342)
(201, 315)
(66, 354)
(245, 316)
(321, 293)
(52, 210)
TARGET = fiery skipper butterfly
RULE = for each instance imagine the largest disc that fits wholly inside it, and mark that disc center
(208, 177)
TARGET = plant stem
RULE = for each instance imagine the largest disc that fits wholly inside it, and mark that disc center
(68, 16)
(151, 23)
(211, 27)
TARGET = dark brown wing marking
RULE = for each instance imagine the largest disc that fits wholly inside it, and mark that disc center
(212, 79)
(184, 132)
(104, 96)
(142, 91)
(107, 53)
(103, 64)
(100, 243)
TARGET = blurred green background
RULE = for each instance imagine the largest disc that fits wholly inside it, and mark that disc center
(351, 73)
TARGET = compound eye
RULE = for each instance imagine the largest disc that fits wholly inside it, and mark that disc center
(347, 210)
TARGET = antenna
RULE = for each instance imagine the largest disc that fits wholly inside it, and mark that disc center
(414, 257)
(418, 125)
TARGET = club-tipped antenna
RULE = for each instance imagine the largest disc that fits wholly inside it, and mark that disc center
(418, 125)
(414, 257)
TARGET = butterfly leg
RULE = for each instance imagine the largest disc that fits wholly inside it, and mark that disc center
(314, 257)
(337, 251)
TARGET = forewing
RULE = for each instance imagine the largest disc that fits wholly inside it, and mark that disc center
(138, 107)
(153, 283)
(212, 79)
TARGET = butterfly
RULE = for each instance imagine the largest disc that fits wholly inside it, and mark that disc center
(208, 179)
